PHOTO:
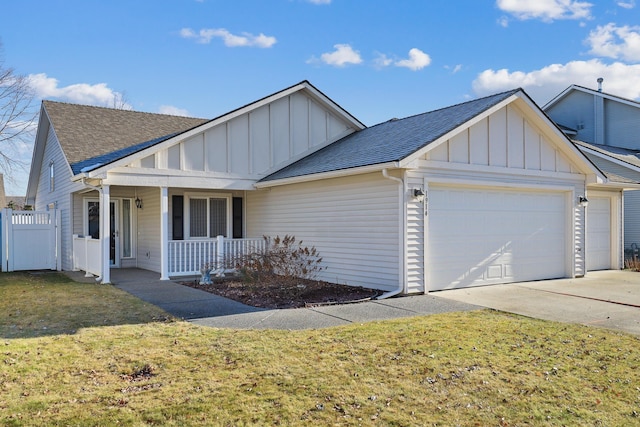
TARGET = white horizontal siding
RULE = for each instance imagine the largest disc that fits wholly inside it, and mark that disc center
(415, 237)
(61, 196)
(148, 227)
(354, 223)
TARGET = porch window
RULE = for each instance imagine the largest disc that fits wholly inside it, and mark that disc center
(208, 217)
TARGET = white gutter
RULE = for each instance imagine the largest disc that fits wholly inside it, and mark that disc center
(403, 237)
(326, 175)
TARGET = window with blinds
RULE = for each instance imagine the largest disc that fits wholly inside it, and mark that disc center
(217, 217)
(207, 217)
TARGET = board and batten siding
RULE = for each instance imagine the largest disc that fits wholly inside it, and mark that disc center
(503, 150)
(354, 222)
(61, 194)
(256, 142)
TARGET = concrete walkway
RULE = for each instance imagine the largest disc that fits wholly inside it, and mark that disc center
(609, 299)
(207, 309)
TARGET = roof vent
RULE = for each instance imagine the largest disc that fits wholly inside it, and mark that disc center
(600, 80)
(393, 119)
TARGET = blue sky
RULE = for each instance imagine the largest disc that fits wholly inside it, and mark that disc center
(377, 59)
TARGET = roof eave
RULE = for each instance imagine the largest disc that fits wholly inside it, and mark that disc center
(327, 175)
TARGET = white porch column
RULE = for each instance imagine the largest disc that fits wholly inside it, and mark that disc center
(105, 233)
(164, 233)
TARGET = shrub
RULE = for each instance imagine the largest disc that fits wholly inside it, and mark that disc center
(285, 259)
(632, 264)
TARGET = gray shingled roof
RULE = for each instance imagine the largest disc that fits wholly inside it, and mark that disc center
(87, 134)
(389, 141)
(623, 154)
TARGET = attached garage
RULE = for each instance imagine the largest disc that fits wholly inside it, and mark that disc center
(508, 236)
(487, 192)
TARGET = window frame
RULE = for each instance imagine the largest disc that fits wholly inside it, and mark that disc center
(52, 176)
(207, 196)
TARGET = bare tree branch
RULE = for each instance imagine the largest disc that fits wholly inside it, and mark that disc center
(17, 116)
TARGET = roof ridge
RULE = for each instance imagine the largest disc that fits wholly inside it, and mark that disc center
(606, 93)
(112, 109)
(495, 95)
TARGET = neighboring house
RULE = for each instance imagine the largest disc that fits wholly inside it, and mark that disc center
(607, 129)
(479, 193)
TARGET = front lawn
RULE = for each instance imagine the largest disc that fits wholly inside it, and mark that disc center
(473, 368)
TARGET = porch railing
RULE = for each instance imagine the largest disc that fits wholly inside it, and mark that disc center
(187, 257)
(87, 255)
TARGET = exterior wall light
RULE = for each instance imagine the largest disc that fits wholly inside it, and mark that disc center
(583, 202)
(418, 194)
(138, 203)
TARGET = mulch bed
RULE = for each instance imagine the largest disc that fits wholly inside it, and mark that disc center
(276, 294)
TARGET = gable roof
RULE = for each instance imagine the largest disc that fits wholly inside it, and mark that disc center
(87, 132)
(389, 141)
(579, 88)
(183, 127)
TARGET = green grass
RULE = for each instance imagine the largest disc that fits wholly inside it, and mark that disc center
(50, 303)
(481, 368)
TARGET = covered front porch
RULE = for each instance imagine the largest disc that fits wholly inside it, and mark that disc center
(171, 231)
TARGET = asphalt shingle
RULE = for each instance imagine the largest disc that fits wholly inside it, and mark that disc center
(88, 133)
(389, 141)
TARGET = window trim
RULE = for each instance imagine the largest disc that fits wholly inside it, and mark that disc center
(52, 176)
(207, 196)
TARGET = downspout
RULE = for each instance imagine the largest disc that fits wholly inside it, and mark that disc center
(402, 235)
(99, 190)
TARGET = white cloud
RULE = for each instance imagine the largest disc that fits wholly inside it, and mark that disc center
(503, 21)
(630, 4)
(381, 60)
(615, 42)
(83, 93)
(173, 111)
(620, 79)
(417, 60)
(545, 10)
(343, 55)
(205, 35)
(455, 69)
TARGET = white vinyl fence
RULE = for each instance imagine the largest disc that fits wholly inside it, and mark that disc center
(30, 240)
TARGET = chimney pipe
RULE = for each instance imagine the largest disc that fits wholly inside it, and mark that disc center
(600, 80)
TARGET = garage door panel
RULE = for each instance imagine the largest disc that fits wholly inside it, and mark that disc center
(502, 236)
(599, 233)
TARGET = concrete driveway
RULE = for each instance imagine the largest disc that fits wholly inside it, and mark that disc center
(609, 299)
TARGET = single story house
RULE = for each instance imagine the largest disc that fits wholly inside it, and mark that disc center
(606, 127)
(484, 192)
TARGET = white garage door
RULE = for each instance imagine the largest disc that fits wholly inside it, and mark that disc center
(490, 236)
(599, 233)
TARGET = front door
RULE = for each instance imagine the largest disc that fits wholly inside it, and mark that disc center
(93, 227)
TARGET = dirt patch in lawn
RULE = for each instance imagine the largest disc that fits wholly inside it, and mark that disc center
(275, 294)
